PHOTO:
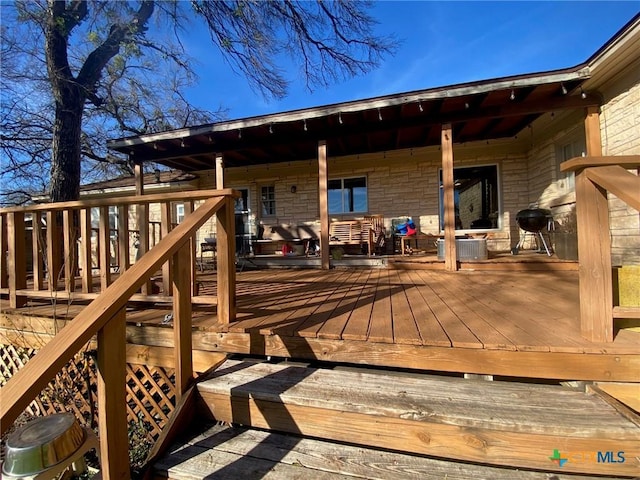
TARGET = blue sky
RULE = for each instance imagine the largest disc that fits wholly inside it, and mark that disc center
(443, 43)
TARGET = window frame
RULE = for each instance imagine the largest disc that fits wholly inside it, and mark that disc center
(577, 142)
(498, 199)
(271, 201)
(342, 195)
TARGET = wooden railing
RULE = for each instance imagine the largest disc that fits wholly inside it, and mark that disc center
(595, 176)
(53, 250)
(105, 316)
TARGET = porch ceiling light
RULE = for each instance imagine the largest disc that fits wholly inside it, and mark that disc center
(563, 88)
(513, 95)
(583, 94)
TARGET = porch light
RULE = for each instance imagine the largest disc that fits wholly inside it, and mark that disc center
(305, 124)
(420, 106)
(379, 115)
(583, 94)
(340, 118)
(513, 95)
(239, 133)
(563, 88)
(294, 189)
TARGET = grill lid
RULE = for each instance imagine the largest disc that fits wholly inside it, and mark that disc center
(533, 219)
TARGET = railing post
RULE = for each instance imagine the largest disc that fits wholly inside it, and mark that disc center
(226, 257)
(104, 241)
(36, 251)
(594, 244)
(69, 245)
(123, 238)
(182, 317)
(112, 413)
(53, 250)
(188, 209)
(86, 251)
(17, 261)
(4, 277)
(594, 254)
(165, 228)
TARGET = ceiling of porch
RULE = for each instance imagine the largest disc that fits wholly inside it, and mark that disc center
(478, 111)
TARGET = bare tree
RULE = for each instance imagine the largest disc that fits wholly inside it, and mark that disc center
(98, 68)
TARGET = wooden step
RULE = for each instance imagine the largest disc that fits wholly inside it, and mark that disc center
(500, 423)
(241, 452)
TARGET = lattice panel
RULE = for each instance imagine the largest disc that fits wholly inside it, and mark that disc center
(150, 396)
(150, 390)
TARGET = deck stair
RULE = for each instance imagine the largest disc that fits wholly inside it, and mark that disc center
(299, 421)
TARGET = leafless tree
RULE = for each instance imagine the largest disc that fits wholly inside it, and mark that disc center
(77, 72)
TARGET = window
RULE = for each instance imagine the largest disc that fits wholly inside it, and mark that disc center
(268, 201)
(575, 147)
(475, 198)
(179, 212)
(347, 195)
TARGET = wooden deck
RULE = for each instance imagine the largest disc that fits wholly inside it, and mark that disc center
(500, 323)
(506, 323)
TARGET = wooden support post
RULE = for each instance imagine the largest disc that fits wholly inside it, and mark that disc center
(594, 245)
(86, 259)
(226, 258)
(36, 251)
(123, 238)
(112, 413)
(17, 261)
(53, 250)
(182, 318)
(219, 171)
(450, 260)
(104, 242)
(4, 274)
(69, 248)
(323, 191)
(592, 132)
(165, 228)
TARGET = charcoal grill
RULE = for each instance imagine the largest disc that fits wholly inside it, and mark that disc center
(533, 220)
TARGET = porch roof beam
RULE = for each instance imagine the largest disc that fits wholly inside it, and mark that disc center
(331, 133)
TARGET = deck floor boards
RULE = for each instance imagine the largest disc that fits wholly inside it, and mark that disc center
(491, 310)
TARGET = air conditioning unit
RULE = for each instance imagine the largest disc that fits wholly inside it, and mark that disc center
(466, 249)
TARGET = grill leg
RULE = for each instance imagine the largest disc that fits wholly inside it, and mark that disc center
(544, 242)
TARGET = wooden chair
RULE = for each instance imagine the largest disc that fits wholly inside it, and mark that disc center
(377, 234)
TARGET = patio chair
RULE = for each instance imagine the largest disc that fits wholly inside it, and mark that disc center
(377, 234)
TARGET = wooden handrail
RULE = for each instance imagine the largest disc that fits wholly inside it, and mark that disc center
(128, 200)
(104, 313)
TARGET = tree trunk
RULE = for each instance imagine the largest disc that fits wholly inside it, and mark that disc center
(65, 162)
